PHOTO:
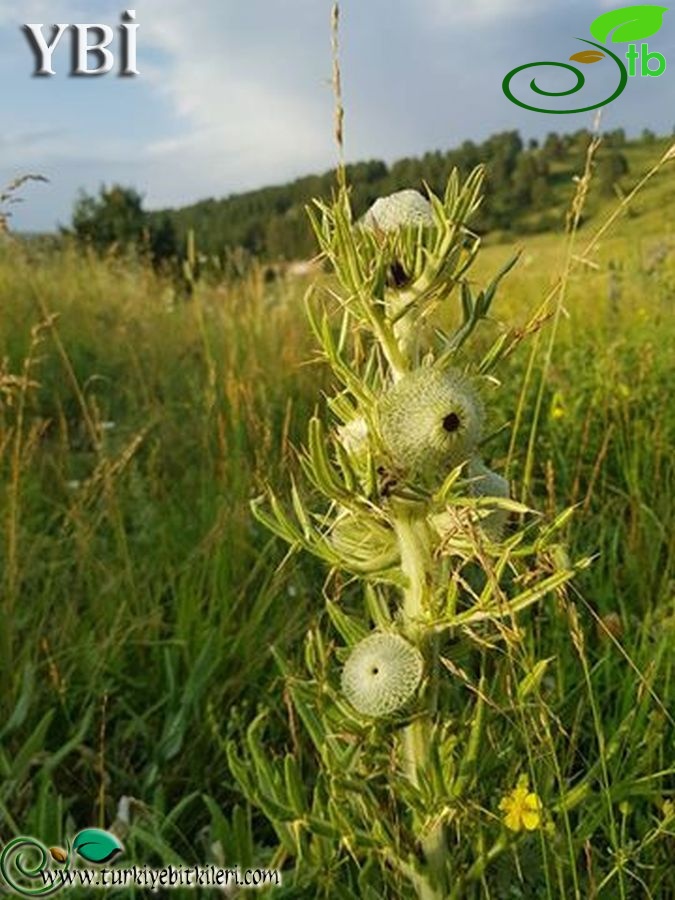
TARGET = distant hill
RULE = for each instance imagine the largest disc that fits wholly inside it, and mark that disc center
(528, 190)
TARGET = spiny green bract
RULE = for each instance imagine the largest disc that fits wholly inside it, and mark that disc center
(430, 421)
(366, 541)
(382, 674)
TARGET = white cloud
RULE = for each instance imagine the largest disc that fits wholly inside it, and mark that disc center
(43, 11)
(249, 108)
(447, 12)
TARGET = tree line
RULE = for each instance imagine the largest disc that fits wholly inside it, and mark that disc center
(523, 194)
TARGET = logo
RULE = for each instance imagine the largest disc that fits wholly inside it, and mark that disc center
(82, 49)
(26, 859)
(31, 869)
(630, 23)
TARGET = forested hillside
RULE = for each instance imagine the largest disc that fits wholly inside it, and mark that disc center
(528, 190)
(521, 195)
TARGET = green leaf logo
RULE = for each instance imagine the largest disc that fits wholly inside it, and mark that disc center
(630, 23)
(96, 846)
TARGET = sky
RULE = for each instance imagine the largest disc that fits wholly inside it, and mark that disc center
(236, 94)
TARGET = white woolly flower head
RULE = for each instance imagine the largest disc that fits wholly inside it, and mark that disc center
(404, 208)
(382, 674)
(430, 421)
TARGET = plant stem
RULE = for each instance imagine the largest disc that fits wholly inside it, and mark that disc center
(478, 868)
(412, 532)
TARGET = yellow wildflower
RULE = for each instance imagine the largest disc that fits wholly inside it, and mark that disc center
(557, 406)
(522, 808)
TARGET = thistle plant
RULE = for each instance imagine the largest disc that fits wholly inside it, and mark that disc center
(425, 567)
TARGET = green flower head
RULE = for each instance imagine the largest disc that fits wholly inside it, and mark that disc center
(382, 674)
(430, 421)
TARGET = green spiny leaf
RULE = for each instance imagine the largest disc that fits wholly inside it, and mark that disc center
(350, 629)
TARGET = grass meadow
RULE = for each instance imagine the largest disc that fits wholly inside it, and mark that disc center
(139, 597)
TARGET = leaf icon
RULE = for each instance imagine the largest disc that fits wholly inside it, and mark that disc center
(96, 845)
(587, 56)
(630, 23)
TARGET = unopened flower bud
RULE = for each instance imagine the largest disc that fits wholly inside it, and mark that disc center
(486, 483)
(458, 520)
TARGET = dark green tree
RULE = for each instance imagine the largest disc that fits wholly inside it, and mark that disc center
(553, 147)
(615, 138)
(611, 167)
(112, 219)
(162, 240)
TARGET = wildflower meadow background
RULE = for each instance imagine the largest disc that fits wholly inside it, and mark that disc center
(178, 668)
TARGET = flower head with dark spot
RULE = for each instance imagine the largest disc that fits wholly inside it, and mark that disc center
(382, 674)
(430, 421)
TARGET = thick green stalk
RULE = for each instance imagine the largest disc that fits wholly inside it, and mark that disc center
(412, 532)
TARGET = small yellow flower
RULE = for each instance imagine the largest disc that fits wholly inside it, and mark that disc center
(558, 410)
(522, 808)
